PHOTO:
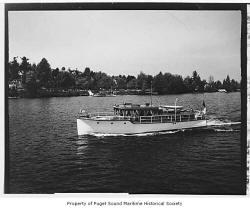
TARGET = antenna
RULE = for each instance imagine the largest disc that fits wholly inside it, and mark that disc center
(151, 94)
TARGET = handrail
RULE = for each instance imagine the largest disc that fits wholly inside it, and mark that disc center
(144, 119)
(96, 114)
(105, 116)
(169, 118)
(102, 114)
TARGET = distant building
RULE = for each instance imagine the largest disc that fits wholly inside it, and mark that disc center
(148, 91)
(12, 86)
(16, 84)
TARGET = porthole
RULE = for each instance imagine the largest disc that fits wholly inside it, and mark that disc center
(112, 123)
(97, 122)
(124, 122)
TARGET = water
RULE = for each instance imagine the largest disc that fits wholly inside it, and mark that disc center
(47, 156)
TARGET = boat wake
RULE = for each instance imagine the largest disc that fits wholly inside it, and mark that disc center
(226, 130)
(217, 122)
(138, 134)
(223, 125)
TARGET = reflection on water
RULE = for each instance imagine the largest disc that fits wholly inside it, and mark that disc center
(82, 143)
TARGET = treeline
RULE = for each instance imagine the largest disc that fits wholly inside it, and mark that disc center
(36, 76)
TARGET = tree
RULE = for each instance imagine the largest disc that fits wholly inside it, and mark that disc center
(210, 86)
(188, 83)
(67, 80)
(33, 67)
(142, 81)
(132, 84)
(227, 84)
(158, 83)
(176, 85)
(129, 78)
(76, 73)
(41, 75)
(120, 81)
(44, 73)
(149, 81)
(55, 73)
(55, 77)
(234, 85)
(31, 87)
(13, 69)
(196, 81)
(218, 85)
(197, 84)
(87, 72)
(24, 68)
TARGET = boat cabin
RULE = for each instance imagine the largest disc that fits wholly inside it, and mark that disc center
(135, 110)
(148, 113)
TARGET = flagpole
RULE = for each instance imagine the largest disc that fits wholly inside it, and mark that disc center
(204, 107)
(151, 94)
(175, 109)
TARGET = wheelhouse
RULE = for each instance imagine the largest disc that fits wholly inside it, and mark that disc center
(135, 110)
(156, 114)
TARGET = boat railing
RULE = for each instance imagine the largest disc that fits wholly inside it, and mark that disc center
(113, 117)
(169, 118)
(101, 114)
(104, 116)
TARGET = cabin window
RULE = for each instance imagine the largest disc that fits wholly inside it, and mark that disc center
(111, 123)
(97, 122)
(124, 122)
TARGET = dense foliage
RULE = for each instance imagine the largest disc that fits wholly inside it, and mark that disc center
(34, 77)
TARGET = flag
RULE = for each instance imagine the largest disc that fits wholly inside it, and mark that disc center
(204, 107)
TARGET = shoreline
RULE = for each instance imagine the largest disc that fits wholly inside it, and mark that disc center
(78, 94)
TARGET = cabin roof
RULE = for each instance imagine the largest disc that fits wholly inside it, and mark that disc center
(130, 106)
(172, 107)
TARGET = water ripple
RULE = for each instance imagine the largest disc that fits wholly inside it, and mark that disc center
(47, 156)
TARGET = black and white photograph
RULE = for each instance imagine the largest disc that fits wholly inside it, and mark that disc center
(125, 98)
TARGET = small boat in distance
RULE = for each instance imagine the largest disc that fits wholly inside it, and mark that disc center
(131, 118)
(90, 93)
(101, 94)
(222, 90)
(12, 97)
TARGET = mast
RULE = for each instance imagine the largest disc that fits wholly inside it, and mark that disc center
(151, 94)
(175, 109)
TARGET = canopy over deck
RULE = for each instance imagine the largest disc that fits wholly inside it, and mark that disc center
(130, 106)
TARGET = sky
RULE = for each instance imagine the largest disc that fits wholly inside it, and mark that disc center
(129, 41)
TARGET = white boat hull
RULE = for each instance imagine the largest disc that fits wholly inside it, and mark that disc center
(88, 126)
